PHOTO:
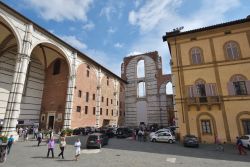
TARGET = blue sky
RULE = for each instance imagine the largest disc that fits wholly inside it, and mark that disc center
(109, 30)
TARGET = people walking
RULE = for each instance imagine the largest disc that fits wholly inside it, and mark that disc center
(10, 142)
(39, 138)
(78, 149)
(219, 146)
(62, 145)
(239, 146)
(140, 135)
(51, 146)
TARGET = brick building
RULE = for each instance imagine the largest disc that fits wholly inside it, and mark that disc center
(45, 80)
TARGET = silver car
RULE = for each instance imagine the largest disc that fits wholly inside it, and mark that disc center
(163, 137)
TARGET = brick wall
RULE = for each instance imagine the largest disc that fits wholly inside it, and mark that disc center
(54, 95)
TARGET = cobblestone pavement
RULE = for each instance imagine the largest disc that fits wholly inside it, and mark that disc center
(126, 153)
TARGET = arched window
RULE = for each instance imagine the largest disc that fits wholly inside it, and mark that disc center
(140, 69)
(141, 89)
(196, 55)
(169, 88)
(238, 85)
(56, 67)
(232, 50)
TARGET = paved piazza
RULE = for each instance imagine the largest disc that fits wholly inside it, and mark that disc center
(127, 153)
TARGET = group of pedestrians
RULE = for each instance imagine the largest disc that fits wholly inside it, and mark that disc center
(140, 135)
(62, 146)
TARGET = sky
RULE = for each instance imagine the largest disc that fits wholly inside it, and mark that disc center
(109, 30)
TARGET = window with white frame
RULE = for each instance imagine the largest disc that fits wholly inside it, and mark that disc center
(196, 55)
(232, 50)
(141, 89)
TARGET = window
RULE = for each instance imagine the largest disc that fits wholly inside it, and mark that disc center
(238, 85)
(93, 110)
(86, 109)
(93, 96)
(111, 101)
(140, 69)
(206, 127)
(100, 111)
(78, 108)
(141, 89)
(232, 50)
(56, 67)
(107, 101)
(108, 81)
(112, 112)
(87, 96)
(120, 113)
(87, 73)
(79, 93)
(240, 88)
(102, 99)
(196, 55)
(246, 126)
(107, 111)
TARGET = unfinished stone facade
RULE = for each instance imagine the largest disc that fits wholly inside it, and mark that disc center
(146, 101)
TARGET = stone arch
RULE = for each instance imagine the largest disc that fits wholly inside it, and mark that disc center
(214, 126)
(11, 27)
(240, 131)
(238, 77)
(55, 47)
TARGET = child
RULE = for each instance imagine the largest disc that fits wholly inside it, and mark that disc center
(78, 149)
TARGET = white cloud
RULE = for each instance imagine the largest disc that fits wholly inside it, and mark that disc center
(60, 10)
(133, 53)
(111, 30)
(112, 8)
(153, 19)
(74, 42)
(104, 59)
(118, 45)
(89, 26)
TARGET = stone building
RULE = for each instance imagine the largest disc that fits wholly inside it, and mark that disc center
(45, 80)
(211, 75)
(146, 101)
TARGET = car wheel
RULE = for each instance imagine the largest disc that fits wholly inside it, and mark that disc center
(248, 146)
(170, 141)
(87, 147)
(153, 140)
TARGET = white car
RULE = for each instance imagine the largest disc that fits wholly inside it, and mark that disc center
(246, 141)
(159, 131)
(163, 137)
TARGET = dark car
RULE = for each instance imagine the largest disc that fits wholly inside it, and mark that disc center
(191, 141)
(79, 131)
(123, 132)
(97, 140)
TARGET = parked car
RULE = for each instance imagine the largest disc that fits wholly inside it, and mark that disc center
(163, 137)
(97, 140)
(246, 141)
(79, 131)
(123, 132)
(190, 141)
(159, 131)
(89, 130)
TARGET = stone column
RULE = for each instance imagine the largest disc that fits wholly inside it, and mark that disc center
(116, 94)
(70, 93)
(98, 97)
(15, 96)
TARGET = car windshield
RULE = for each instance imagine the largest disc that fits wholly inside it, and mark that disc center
(92, 137)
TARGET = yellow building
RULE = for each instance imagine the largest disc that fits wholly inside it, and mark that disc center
(211, 80)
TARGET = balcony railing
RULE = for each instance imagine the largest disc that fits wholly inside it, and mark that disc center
(203, 100)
